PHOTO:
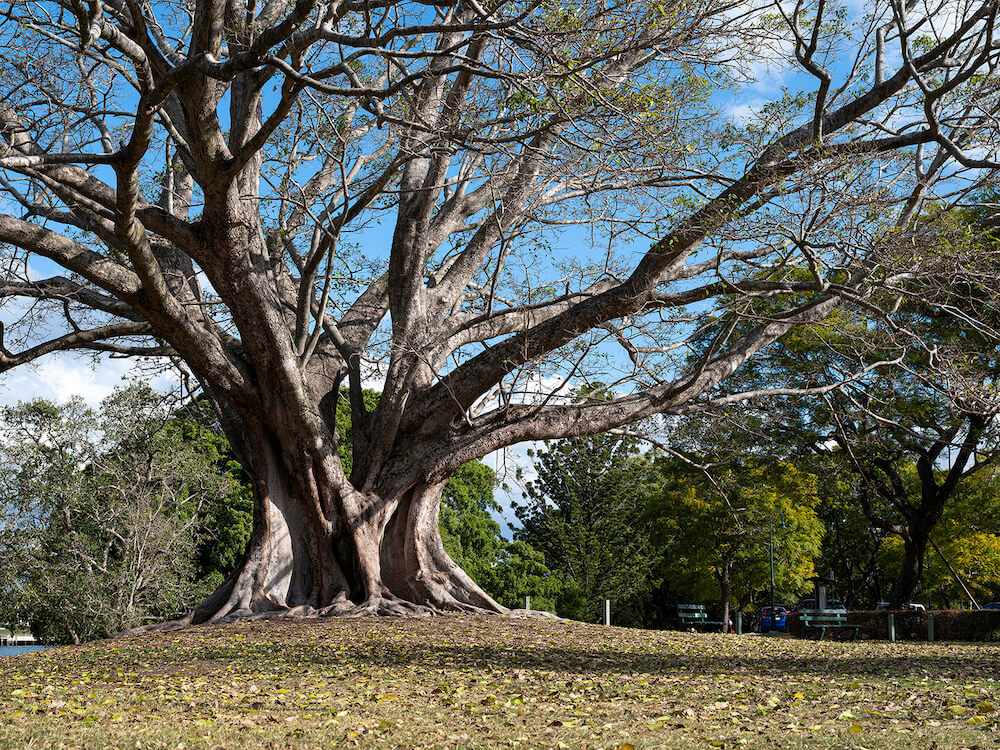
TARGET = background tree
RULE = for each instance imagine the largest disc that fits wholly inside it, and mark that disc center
(507, 570)
(110, 516)
(520, 571)
(585, 513)
(287, 197)
(716, 532)
(909, 398)
(227, 522)
(913, 438)
(966, 541)
(470, 533)
(852, 547)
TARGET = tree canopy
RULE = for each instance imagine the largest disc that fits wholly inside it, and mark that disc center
(585, 513)
(113, 518)
(287, 197)
(915, 421)
(718, 534)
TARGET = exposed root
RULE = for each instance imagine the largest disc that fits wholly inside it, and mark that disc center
(381, 606)
(391, 607)
(534, 614)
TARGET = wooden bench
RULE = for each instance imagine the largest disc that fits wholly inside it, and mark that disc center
(696, 616)
(822, 620)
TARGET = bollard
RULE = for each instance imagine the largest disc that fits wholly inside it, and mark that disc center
(606, 616)
(739, 622)
(930, 628)
(892, 628)
(527, 602)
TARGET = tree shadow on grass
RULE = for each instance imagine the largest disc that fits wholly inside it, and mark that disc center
(610, 662)
(896, 662)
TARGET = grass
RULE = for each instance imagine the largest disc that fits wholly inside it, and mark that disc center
(496, 682)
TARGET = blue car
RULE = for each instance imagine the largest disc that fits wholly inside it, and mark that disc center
(775, 621)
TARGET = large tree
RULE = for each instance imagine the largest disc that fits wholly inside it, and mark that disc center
(584, 511)
(289, 197)
(719, 532)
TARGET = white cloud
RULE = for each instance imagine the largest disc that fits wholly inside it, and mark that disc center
(61, 377)
(513, 468)
(743, 112)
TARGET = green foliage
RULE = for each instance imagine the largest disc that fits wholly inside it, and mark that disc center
(711, 528)
(227, 522)
(105, 514)
(345, 430)
(507, 571)
(471, 536)
(585, 513)
(520, 571)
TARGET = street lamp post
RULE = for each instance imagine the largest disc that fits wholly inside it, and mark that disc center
(770, 544)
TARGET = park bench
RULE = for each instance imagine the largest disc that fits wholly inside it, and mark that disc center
(696, 616)
(822, 620)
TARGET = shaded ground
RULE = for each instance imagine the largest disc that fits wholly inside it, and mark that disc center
(496, 682)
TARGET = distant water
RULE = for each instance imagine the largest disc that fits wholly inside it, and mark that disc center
(15, 650)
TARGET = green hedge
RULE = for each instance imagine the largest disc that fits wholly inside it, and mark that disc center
(949, 625)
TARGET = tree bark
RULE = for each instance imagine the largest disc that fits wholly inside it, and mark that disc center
(724, 576)
(320, 550)
(908, 583)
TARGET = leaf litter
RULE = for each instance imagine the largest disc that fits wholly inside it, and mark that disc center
(496, 682)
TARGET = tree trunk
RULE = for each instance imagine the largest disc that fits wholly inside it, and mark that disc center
(908, 584)
(945, 600)
(321, 547)
(724, 595)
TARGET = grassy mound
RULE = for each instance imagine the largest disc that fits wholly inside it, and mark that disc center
(496, 682)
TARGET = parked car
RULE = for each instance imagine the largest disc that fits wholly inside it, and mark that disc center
(830, 604)
(913, 607)
(991, 605)
(778, 622)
